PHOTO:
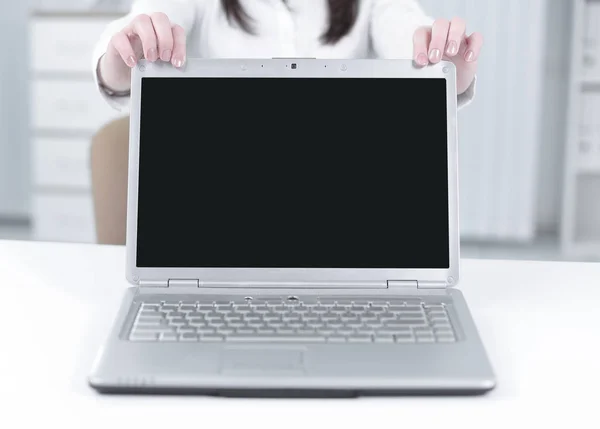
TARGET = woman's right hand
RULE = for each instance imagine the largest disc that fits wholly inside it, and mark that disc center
(152, 37)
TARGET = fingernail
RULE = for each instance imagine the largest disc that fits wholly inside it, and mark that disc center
(178, 63)
(166, 55)
(422, 60)
(470, 56)
(152, 55)
(452, 48)
(130, 61)
(435, 56)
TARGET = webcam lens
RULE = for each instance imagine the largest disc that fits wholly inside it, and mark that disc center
(294, 66)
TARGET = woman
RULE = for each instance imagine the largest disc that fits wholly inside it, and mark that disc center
(172, 30)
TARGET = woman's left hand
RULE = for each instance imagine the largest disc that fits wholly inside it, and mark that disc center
(448, 40)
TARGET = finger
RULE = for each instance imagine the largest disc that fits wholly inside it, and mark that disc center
(142, 27)
(121, 46)
(179, 46)
(421, 40)
(439, 37)
(164, 35)
(456, 36)
(474, 45)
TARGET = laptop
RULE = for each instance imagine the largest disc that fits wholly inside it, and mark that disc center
(292, 230)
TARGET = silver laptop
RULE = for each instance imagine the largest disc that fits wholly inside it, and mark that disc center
(293, 230)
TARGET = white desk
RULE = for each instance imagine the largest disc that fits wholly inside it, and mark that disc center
(540, 323)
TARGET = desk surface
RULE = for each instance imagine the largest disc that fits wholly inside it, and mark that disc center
(540, 323)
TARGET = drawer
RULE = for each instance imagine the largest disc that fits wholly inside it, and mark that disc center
(65, 44)
(69, 105)
(61, 162)
(68, 218)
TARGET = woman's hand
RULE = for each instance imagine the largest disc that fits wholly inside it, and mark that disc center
(448, 40)
(152, 37)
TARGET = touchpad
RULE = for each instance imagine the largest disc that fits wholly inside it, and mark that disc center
(262, 359)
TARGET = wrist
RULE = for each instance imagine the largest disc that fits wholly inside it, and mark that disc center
(110, 83)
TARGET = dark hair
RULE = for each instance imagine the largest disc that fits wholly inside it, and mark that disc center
(342, 16)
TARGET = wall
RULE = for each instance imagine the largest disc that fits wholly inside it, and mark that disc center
(14, 100)
(553, 138)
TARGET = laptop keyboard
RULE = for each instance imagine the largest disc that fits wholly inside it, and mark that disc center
(294, 321)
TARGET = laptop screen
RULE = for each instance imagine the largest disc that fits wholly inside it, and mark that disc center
(293, 173)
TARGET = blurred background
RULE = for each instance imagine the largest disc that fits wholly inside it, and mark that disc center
(529, 144)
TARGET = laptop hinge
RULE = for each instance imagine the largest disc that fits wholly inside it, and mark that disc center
(187, 283)
(170, 283)
(153, 283)
(432, 285)
(394, 284)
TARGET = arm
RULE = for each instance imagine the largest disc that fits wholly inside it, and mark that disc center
(400, 29)
(112, 67)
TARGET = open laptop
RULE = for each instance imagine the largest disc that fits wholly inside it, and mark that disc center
(293, 230)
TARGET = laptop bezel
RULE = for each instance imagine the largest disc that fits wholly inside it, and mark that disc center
(282, 68)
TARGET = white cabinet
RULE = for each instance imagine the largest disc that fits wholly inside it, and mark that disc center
(62, 43)
(68, 104)
(66, 111)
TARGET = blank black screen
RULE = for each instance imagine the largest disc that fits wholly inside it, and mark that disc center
(296, 173)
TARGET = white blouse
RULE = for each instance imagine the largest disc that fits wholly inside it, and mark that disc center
(383, 29)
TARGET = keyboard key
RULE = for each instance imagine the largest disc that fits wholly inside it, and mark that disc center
(384, 339)
(285, 331)
(445, 339)
(213, 338)
(169, 307)
(316, 325)
(152, 314)
(402, 323)
(404, 338)
(336, 339)
(256, 325)
(144, 320)
(225, 331)
(305, 331)
(143, 336)
(185, 308)
(168, 336)
(236, 324)
(188, 336)
(150, 306)
(265, 331)
(360, 339)
(204, 331)
(151, 328)
(245, 331)
(434, 307)
(217, 323)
